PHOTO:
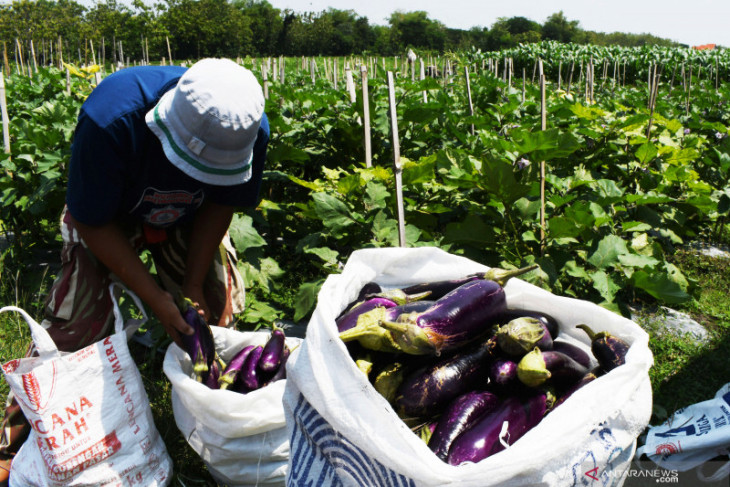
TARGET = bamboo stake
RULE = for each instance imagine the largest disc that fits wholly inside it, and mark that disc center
(422, 76)
(366, 116)
(265, 77)
(6, 64)
(282, 69)
(689, 87)
(32, 52)
(543, 125)
(468, 93)
(652, 102)
(350, 83)
(169, 51)
(397, 168)
(4, 112)
(19, 56)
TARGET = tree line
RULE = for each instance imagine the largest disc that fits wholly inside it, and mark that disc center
(192, 29)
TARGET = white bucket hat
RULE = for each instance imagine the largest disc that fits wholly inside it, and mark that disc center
(209, 122)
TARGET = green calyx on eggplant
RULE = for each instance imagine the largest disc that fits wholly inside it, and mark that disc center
(537, 367)
(609, 350)
(368, 330)
(521, 335)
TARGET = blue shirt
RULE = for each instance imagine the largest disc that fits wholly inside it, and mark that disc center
(118, 169)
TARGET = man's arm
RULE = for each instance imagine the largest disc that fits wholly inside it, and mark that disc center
(109, 244)
(210, 226)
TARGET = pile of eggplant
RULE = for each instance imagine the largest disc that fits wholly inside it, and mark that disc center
(250, 368)
(469, 375)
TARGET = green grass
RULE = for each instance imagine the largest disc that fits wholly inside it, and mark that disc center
(683, 373)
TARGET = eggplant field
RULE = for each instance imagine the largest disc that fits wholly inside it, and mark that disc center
(599, 165)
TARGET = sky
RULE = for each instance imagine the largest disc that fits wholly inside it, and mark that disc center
(693, 22)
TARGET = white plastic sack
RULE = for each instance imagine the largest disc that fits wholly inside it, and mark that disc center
(241, 437)
(693, 435)
(342, 432)
(89, 412)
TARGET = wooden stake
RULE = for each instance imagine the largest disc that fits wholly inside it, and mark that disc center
(422, 76)
(350, 84)
(543, 118)
(468, 93)
(32, 52)
(4, 112)
(169, 51)
(397, 168)
(366, 116)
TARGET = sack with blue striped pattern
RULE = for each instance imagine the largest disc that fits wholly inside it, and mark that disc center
(342, 432)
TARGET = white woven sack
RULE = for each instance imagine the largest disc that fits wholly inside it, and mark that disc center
(342, 432)
(241, 437)
(89, 412)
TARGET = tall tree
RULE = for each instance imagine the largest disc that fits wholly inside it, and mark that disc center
(558, 28)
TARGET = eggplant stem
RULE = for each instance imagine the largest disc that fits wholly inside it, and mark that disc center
(395, 326)
(501, 276)
(591, 334)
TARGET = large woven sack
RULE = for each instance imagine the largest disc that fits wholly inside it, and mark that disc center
(343, 432)
(89, 412)
(241, 437)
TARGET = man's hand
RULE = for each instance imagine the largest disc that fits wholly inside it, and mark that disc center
(109, 244)
(167, 311)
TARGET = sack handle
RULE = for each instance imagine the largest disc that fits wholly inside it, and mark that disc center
(132, 324)
(44, 344)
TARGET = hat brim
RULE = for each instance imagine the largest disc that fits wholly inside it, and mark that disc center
(205, 171)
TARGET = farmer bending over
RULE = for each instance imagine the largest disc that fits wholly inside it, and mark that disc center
(162, 156)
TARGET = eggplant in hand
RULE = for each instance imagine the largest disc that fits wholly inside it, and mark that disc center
(200, 346)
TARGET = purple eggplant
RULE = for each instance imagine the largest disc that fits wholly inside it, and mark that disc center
(281, 371)
(461, 413)
(572, 351)
(539, 366)
(368, 332)
(200, 346)
(454, 320)
(234, 367)
(438, 289)
(214, 374)
(272, 352)
(521, 335)
(550, 323)
(589, 377)
(499, 428)
(430, 388)
(609, 350)
(503, 373)
(248, 377)
(348, 320)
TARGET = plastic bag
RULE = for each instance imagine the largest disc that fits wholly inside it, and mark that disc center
(241, 437)
(343, 432)
(89, 412)
(692, 436)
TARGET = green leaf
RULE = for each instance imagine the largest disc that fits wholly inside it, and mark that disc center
(260, 313)
(376, 195)
(419, 172)
(243, 234)
(646, 153)
(608, 251)
(661, 286)
(328, 256)
(334, 214)
(605, 285)
(471, 230)
(637, 260)
(306, 298)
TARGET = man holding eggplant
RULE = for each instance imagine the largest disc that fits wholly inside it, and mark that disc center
(161, 159)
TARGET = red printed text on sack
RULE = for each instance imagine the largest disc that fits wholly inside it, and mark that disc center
(129, 405)
(10, 366)
(96, 453)
(65, 425)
